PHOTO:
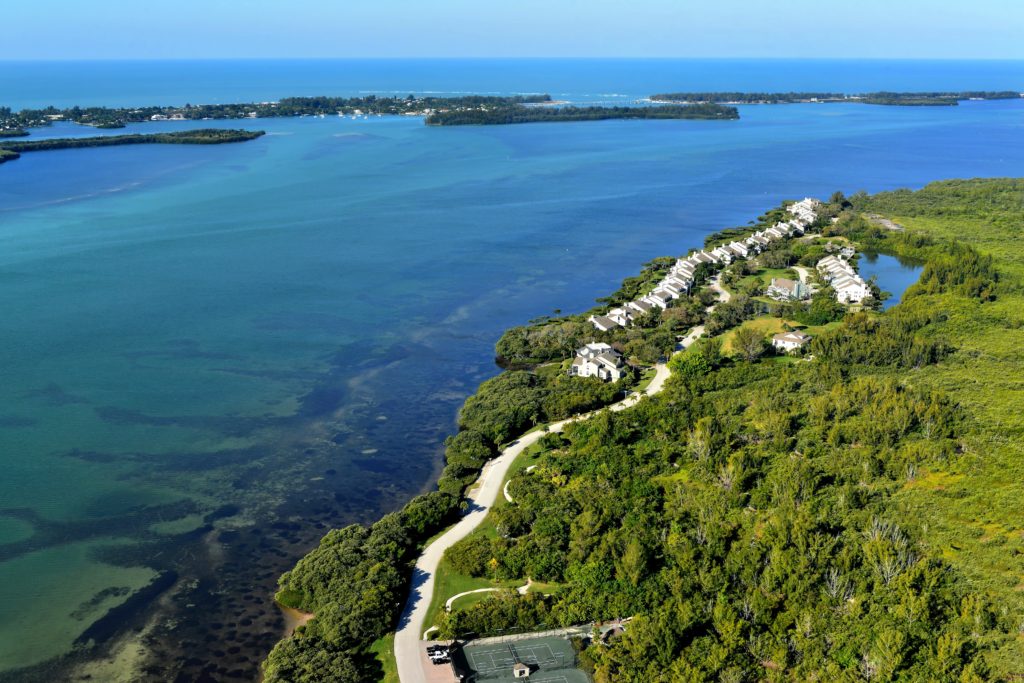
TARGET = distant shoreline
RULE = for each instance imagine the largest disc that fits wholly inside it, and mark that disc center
(886, 98)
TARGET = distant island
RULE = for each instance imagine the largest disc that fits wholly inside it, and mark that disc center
(118, 117)
(466, 110)
(9, 151)
(469, 109)
(525, 114)
(902, 99)
(437, 111)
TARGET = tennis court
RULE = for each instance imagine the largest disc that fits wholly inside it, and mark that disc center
(550, 659)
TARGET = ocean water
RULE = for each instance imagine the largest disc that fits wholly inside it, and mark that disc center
(613, 81)
(212, 354)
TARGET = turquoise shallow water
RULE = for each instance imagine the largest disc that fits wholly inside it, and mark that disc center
(212, 353)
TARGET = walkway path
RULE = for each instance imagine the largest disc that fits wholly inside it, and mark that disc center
(522, 590)
(480, 499)
(715, 285)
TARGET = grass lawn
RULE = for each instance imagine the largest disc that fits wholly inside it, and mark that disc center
(816, 329)
(547, 588)
(767, 325)
(467, 601)
(764, 277)
(448, 582)
(646, 377)
(384, 649)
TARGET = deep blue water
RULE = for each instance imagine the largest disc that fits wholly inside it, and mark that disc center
(39, 84)
(213, 353)
(892, 275)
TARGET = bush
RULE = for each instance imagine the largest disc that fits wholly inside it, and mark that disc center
(471, 555)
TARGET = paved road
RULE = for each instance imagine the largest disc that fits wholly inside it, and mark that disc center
(716, 287)
(408, 637)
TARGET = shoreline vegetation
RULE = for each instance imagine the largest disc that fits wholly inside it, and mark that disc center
(762, 514)
(900, 99)
(10, 151)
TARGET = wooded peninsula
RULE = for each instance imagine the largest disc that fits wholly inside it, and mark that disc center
(11, 150)
(533, 114)
(902, 99)
(852, 514)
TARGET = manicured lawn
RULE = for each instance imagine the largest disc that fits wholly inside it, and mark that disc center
(384, 649)
(766, 275)
(467, 601)
(448, 582)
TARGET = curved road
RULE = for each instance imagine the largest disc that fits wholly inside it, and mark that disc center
(408, 637)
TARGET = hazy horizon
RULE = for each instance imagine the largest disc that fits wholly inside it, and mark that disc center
(120, 29)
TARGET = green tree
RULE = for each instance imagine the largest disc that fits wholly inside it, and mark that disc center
(750, 342)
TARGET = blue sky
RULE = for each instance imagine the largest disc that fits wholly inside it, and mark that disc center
(114, 29)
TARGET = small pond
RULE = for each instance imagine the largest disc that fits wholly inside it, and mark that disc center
(893, 275)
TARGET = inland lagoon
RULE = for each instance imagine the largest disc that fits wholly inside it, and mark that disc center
(893, 275)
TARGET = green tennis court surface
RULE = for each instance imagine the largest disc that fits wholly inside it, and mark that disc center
(550, 660)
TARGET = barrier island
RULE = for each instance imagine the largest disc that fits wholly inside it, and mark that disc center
(525, 114)
(204, 136)
(437, 111)
(118, 117)
(901, 99)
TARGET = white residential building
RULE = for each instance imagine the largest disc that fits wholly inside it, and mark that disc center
(790, 341)
(850, 288)
(783, 289)
(620, 316)
(659, 298)
(805, 210)
(602, 322)
(738, 249)
(703, 257)
(678, 281)
(684, 268)
(722, 255)
(676, 289)
(852, 292)
(598, 360)
(641, 307)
